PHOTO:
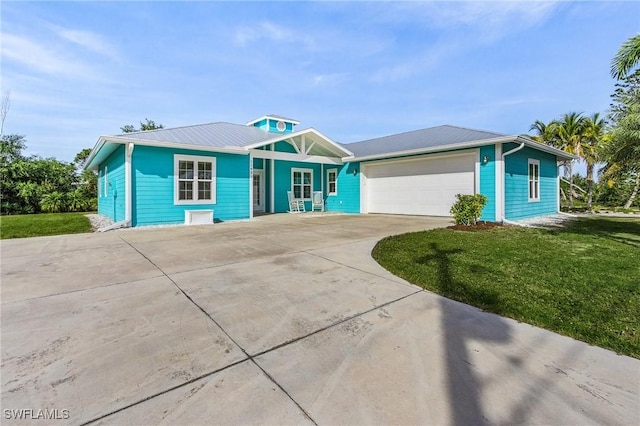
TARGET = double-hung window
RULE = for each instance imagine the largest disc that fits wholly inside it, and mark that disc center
(301, 183)
(534, 180)
(332, 182)
(195, 179)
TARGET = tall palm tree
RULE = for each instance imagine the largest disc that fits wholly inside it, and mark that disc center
(570, 131)
(546, 133)
(627, 58)
(593, 136)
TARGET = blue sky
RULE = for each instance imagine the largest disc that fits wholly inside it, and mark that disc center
(353, 70)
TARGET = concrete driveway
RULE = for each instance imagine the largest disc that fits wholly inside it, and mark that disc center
(282, 320)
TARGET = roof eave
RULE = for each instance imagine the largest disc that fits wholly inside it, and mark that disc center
(417, 151)
(470, 144)
(546, 148)
(288, 120)
(163, 144)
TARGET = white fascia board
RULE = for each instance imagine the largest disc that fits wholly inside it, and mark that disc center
(97, 147)
(283, 136)
(287, 156)
(472, 144)
(442, 148)
(271, 117)
(545, 148)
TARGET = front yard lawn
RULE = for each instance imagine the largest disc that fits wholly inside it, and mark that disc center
(582, 281)
(37, 225)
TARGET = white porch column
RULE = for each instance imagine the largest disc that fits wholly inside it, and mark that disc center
(272, 183)
(499, 190)
(250, 186)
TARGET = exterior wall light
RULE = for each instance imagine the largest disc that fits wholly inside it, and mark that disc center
(355, 172)
(485, 159)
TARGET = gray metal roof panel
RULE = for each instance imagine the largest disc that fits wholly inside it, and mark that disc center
(218, 134)
(433, 137)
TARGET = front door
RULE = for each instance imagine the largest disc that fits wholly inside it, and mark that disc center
(258, 191)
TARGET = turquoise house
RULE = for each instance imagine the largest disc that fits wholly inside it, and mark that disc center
(224, 171)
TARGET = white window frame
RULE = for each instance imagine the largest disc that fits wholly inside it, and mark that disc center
(533, 180)
(335, 180)
(105, 181)
(176, 181)
(310, 171)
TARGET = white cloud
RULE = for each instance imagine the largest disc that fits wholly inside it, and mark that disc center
(88, 40)
(268, 31)
(463, 26)
(432, 56)
(329, 79)
(39, 57)
(489, 20)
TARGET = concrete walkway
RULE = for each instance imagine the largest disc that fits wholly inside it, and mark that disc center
(282, 320)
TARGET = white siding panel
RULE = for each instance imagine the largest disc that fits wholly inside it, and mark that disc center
(425, 186)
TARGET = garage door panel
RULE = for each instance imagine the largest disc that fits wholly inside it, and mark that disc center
(421, 187)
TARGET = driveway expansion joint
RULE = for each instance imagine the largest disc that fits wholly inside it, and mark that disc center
(250, 357)
(247, 355)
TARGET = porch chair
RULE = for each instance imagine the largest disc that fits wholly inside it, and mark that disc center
(295, 205)
(317, 201)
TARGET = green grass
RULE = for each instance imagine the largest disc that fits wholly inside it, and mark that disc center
(582, 281)
(37, 225)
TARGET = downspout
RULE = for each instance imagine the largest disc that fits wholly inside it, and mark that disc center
(128, 150)
(504, 220)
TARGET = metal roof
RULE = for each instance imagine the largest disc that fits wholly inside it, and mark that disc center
(219, 134)
(433, 137)
(274, 116)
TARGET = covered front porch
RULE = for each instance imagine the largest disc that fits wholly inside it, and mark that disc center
(299, 163)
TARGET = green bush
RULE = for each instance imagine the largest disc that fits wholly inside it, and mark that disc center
(468, 208)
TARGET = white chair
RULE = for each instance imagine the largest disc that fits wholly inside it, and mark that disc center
(295, 205)
(317, 201)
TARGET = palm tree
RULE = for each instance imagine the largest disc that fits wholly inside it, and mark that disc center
(570, 131)
(54, 202)
(624, 149)
(593, 136)
(546, 133)
(627, 58)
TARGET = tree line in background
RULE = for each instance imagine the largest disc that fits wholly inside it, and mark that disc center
(613, 141)
(32, 184)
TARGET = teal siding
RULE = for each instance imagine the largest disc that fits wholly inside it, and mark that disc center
(258, 163)
(517, 205)
(270, 125)
(282, 178)
(284, 147)
(273, 129)
(113, 205)
(348, 198)
(262, 124)
(153, 183)
(488, 182)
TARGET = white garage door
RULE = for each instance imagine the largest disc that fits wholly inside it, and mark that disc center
(426, 186)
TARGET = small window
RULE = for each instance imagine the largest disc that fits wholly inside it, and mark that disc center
(534, 180)
(302, 183)
(195, 180)
(332, 182)
(105, 182)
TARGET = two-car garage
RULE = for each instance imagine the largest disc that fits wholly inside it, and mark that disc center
(418, 186)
